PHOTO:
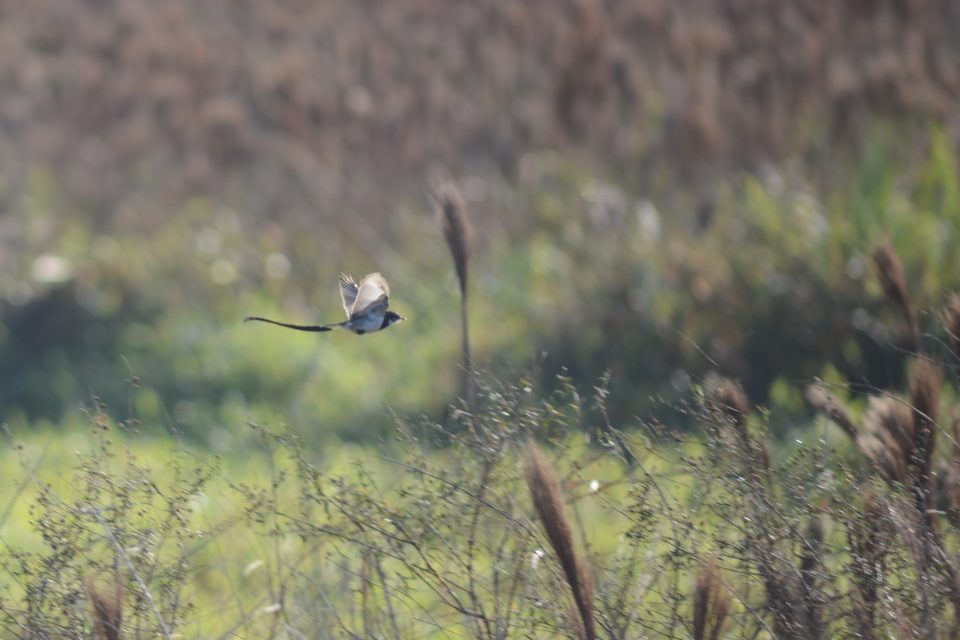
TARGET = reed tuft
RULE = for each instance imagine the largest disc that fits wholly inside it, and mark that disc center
(925, 384)
(458, 232)
(711, 604)
(811, 567)
(829, 405)
(889, 270)
(888, 441)
(729, 405)
(950, 316)
(107, 609)
(544, 487)
(732, 402)
(867, 550)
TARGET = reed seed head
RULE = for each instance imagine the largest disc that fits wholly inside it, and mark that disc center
(951, 323)
(829, 405)
(813, 543)
(544, 487)
(889, 270)
(889, 423)
(711, 604)
(924, 397)
(457, 230)
(107, 610)
(731, 401)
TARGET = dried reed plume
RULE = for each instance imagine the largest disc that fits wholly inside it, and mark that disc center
(731, 401)
(730, 406)
(888, 437)
(793, 594)
(811, 561)
(452, 212)
(107, 610)
(890, 272)
(544, 487)
(951, 323)
(950, 481)
(711, 604)
(868, 549)
(828, 404)
(886, 440)
(924, 398)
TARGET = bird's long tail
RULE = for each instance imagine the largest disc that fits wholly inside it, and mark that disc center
(298, 327)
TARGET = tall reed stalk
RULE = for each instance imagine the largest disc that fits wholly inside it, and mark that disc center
(458, 232)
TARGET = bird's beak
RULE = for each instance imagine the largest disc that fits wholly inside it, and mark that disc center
(403, 317)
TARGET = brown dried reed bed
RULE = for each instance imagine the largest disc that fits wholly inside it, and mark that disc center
(547, 497)
(209, 97)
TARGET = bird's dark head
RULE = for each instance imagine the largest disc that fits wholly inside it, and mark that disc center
(391, 317)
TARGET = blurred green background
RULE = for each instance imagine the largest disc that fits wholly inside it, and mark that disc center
(659, 189)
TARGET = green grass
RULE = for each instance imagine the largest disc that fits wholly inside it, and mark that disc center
(230, 530)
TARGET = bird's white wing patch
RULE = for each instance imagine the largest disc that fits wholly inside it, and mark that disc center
(373, 295)
(348, 292)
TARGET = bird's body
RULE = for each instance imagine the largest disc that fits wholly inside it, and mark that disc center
(365, 305)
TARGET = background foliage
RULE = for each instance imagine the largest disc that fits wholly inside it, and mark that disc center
(657, 187)
(659, 190)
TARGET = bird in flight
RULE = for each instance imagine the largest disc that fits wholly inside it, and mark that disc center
(365, 303)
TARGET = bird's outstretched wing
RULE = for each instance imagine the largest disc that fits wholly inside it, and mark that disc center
(373, 296)
(348, 292)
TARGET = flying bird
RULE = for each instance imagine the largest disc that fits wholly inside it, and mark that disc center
(365, 304)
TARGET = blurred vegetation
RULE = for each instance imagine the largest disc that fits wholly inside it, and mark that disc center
(849, 532)
(659, 190)
(656, 191)
(771, 284)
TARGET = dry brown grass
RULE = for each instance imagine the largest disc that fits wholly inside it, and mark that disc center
(794, 595)
(889, 270)
(209, 97)
(950, 316)
(458, 232)
(889, 442)
(828, 404)
(107, 610)
(868, 548)
(925, 398)
(547, 497)
(711, 604)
